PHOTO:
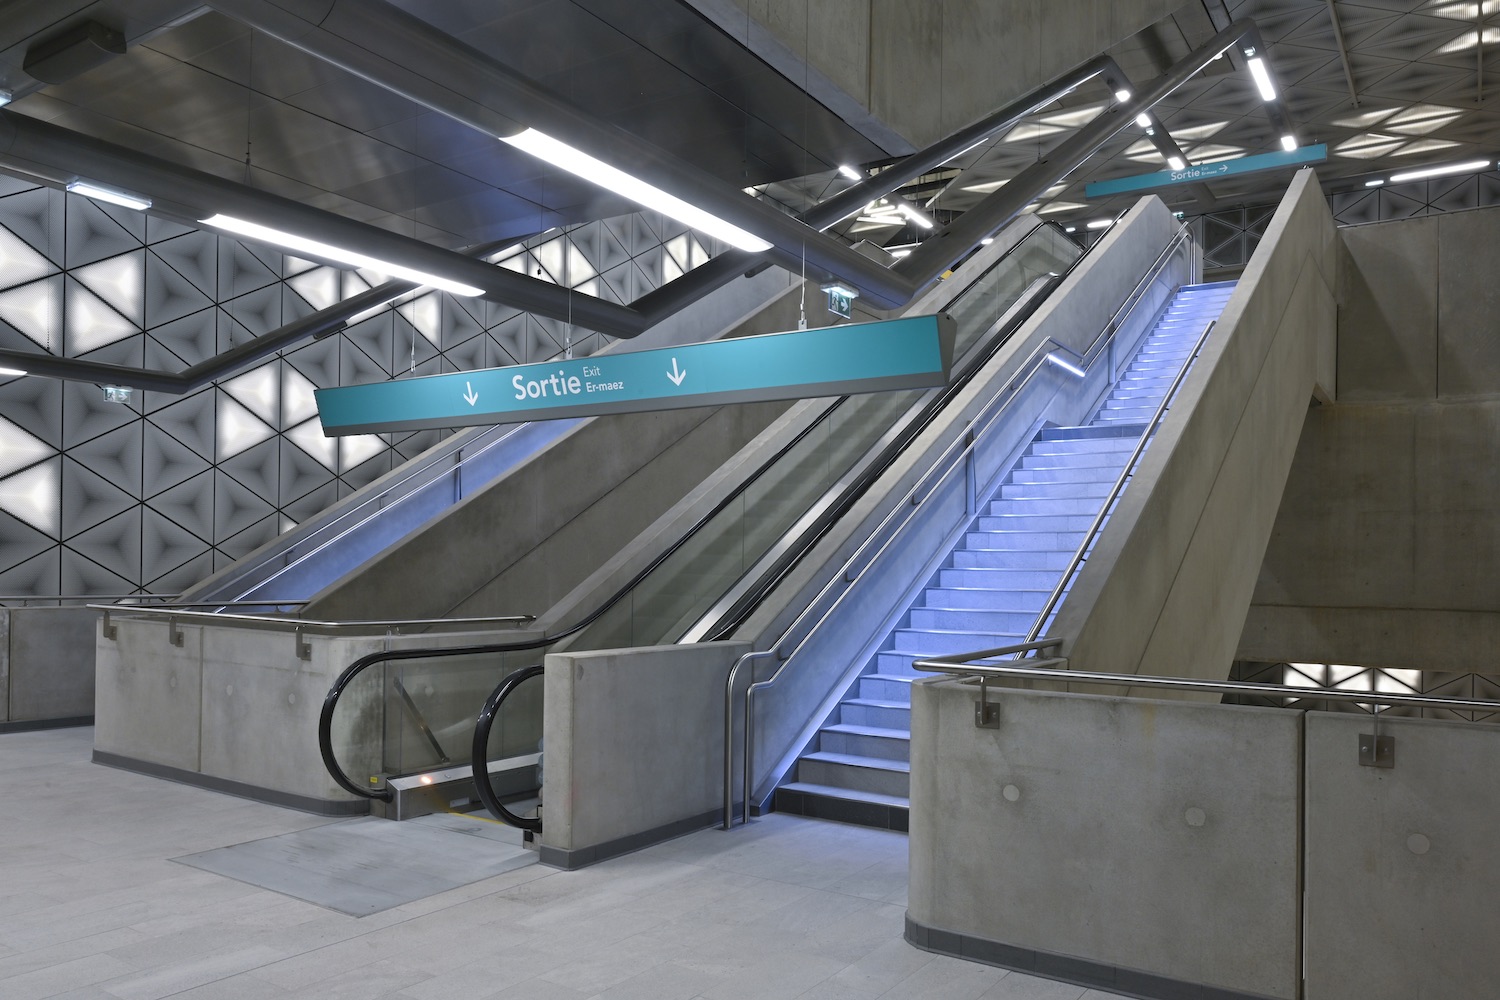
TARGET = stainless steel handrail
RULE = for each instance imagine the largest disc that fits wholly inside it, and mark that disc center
(1081, 553)
(951, 458)
(297, 626)
(87, 597)
(954, 665)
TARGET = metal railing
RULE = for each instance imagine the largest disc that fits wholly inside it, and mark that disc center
(7, 599)
(962, 665)
(957, 456)
(1081, 553)
(298, 626)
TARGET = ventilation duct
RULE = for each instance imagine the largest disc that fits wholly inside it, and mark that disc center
(73, 52)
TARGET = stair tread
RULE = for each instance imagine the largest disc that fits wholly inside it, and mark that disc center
(835, 792)
(875, 703)
(859, 760)
(882, 732)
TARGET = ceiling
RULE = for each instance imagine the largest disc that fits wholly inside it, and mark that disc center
(213, 94)
(1422, 100)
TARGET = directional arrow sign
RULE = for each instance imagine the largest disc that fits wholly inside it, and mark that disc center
(1207, 171)
(913, 352)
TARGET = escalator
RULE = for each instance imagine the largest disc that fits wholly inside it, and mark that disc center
(395, 722)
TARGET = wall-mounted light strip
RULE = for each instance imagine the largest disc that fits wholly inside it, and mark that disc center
(1469, 167)
(1066, 366)
(124, 199)
(327, 251)
(581, 164)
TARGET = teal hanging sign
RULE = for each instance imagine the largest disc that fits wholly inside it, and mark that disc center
(908, 353)
(1208, 171)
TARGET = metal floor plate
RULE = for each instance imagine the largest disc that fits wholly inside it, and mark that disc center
(366, 865)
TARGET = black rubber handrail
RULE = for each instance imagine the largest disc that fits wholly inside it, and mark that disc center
(481, 751)
(330, 701)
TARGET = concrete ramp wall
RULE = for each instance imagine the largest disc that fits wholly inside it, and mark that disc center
(1168, 584)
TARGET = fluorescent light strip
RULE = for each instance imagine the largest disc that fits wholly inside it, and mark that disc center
(1065, 366)
(1100, 224)
(10, 372)
(327, 251)
(581, 164)
(1176, 163)
(1143, 120)
(120, 198)
(1262, 78)
(1289, 142)
(1471, 167)
(1377, 182)
(1122, 95)
(916, 217)
(850, 172)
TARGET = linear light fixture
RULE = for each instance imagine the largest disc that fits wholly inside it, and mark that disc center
(1122, 95)
(10, 372)
(1469, 167)
(122, 198)
(1176, 163)
(1289, 142)
(850, 172)
(1262, 78)
(916, 217)
(1066, 366)
(581, 164)
(327, 251)
(1143, 120)
(1100, 224)
(1377, 182)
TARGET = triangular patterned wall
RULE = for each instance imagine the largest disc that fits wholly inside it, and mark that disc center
(155, 494)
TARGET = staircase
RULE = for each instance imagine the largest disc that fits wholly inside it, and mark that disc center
(993, 585)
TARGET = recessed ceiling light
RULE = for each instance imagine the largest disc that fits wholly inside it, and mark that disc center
(1122, 95)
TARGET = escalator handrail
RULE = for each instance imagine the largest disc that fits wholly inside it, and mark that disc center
(341, 683)
(480, 755)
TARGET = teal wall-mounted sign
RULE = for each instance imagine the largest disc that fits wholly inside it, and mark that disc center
(1208, 171)
(908, 353)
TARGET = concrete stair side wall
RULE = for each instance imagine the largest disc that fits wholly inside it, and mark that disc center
(1169, 582)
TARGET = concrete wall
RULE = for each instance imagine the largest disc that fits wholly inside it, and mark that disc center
(1109, 842)
(1169, 580)
(634, 747)
(1401, 881)
(236, 709)
(46, 664)
(922, 70)
(1384, 548)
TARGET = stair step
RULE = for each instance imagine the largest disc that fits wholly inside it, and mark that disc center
(941, 642)
(1052, 505)
(1040, 522)
(887, 687)
(974, 619)
(872, 712)
(1076, 434)
(843, 805)
(866, 741)
(1021, 491)
(1008, 590)
(863, 774)
(1023, 540)
(1078, 474)
(1006, 560)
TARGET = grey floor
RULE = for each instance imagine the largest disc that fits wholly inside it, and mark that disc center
(92, 907)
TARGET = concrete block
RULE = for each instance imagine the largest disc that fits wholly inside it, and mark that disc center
(1468, 299)
(634, 742)
(1388, 315)
(148, 693)
(1401, 870)
(1097, 829)
(51, 663)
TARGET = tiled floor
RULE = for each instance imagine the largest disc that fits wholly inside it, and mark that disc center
(91, 907)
